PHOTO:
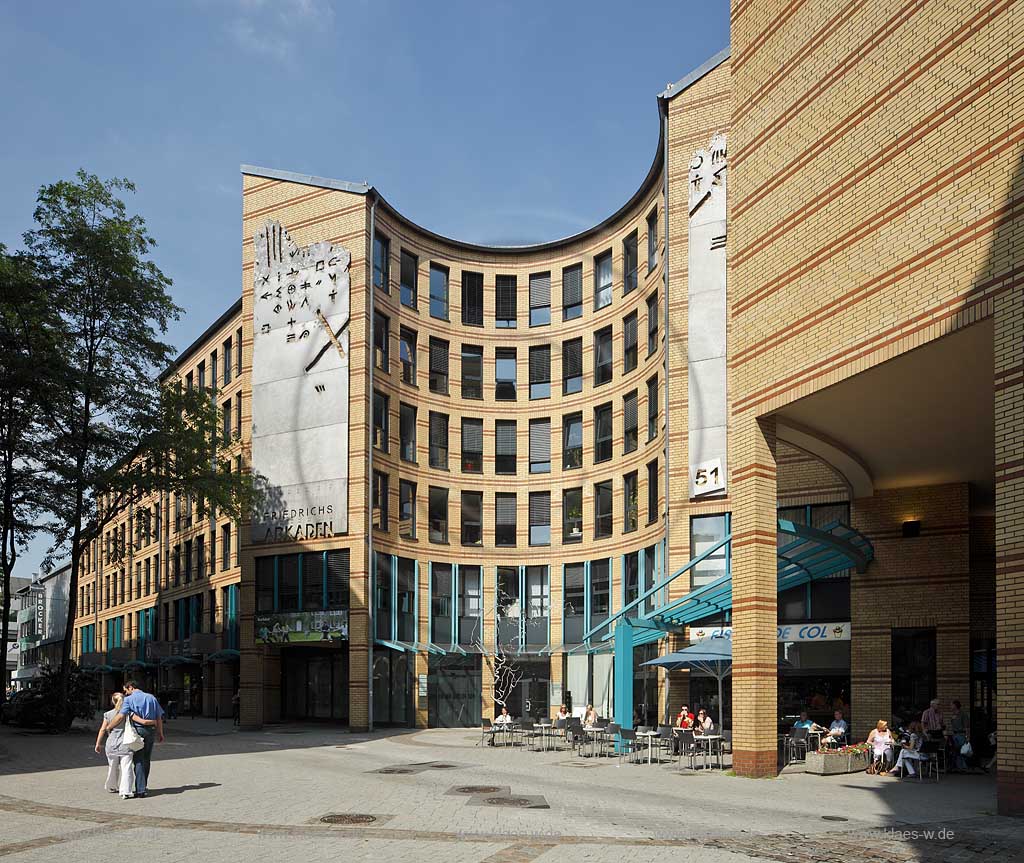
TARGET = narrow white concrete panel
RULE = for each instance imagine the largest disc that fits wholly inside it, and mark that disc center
(707, 313)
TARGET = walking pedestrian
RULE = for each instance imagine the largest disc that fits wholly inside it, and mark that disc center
(145, 713)
(120, 759)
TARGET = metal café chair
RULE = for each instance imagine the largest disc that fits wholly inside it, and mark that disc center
(666, 741)
(627, 743)
(931, 750)
(610, 738)
(486, 730)
(797, 739)
(688, 746)
(528, 733)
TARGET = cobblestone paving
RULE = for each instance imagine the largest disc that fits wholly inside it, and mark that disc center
(242, 796)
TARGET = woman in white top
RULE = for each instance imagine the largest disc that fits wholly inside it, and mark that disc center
(120, 766)
(704, 724)
(880, 740)
(590, 717)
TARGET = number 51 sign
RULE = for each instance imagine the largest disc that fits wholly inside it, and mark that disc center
(708, 478)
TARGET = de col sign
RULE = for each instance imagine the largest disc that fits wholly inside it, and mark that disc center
(795, 632)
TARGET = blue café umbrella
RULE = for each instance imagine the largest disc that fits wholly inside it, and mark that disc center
(713, 656)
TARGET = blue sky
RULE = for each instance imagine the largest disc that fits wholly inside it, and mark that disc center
(494, 122)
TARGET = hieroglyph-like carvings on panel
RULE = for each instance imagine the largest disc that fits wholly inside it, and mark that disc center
(300, 387)
(708, 404)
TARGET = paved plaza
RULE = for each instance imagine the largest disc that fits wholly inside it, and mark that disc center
(224, 795)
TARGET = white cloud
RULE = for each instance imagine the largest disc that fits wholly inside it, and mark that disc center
(271, 28)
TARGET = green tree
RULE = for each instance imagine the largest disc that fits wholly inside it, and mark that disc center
(115, 433)
(25, 354)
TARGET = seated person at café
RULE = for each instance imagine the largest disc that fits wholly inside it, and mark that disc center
(704, 723)
(805, 721)
(590, 717)
(563, 713)
(684, 718)
(836, 731)
(881, 742)
(502, 723)
(910, 752)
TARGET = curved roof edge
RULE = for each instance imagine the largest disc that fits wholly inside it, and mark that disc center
(673, 90)
(364, 189)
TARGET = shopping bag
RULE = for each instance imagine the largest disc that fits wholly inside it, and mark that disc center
(131, 738)
(967, 750)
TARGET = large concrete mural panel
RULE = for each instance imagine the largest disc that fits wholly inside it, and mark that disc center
(707, 319)
(300, 387)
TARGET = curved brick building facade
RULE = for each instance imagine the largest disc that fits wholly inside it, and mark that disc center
(810, 310)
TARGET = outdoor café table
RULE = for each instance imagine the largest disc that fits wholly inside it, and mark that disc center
(505, 731)
(710, 744)
(546, 729)
(650, 735)
(594, 734)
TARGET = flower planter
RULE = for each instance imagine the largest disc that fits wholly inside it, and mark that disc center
(834, 763)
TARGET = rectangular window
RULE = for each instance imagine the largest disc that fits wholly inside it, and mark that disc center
(406, 509)
(439, 440)
(472, 299)
(603, 509)
(188, 382)
(629, 343)
(439, 292)
(225, 432)
(505, 374)
(540, 299)
(652, 324)
(540, 372)
(630, 422)
(507, 600)
(382, 263)
(537, 606)
(472, 372)
(572, 366)
(228, 365)
(572, 515)
(472, 517)
(225, 546)
(602, 356)
(438, 366)
(652, 408)
(652, 240)
(409, 279)
(238, 354)
(504, 519)
(472, 445)
(441, 603)
(629, 263)
(438, 514)
(572, 292)
(540, 446)
(381, 337)
(470, 605)
(264, 585)
(913, 667)
(574, 603)
(505, 301)
(630, 577)
(505, 446)
(338, 572)
(380, 500)
(287, 582)
(631, 504)
(652, 491)
(602, 432)
(572, 441)
(380, 421)
(705, 532)
(213, 370)
(602, 280)
(405, 571)
(238, 415)
(201, 374)
(312, 583)
(407, 432)
(382, 596)
(407, 354)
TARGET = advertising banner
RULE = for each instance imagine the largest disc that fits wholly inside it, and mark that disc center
(302, 626)
(787, 633)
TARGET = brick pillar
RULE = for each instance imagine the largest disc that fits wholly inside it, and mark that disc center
(1009, 465)
(555, 699)
(754, 598)
(422, 701)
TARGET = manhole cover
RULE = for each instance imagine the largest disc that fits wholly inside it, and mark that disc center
(347, 818)
(509, 801)
(394, 770)
(478, 789)
(833, 818)
(443, 766)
